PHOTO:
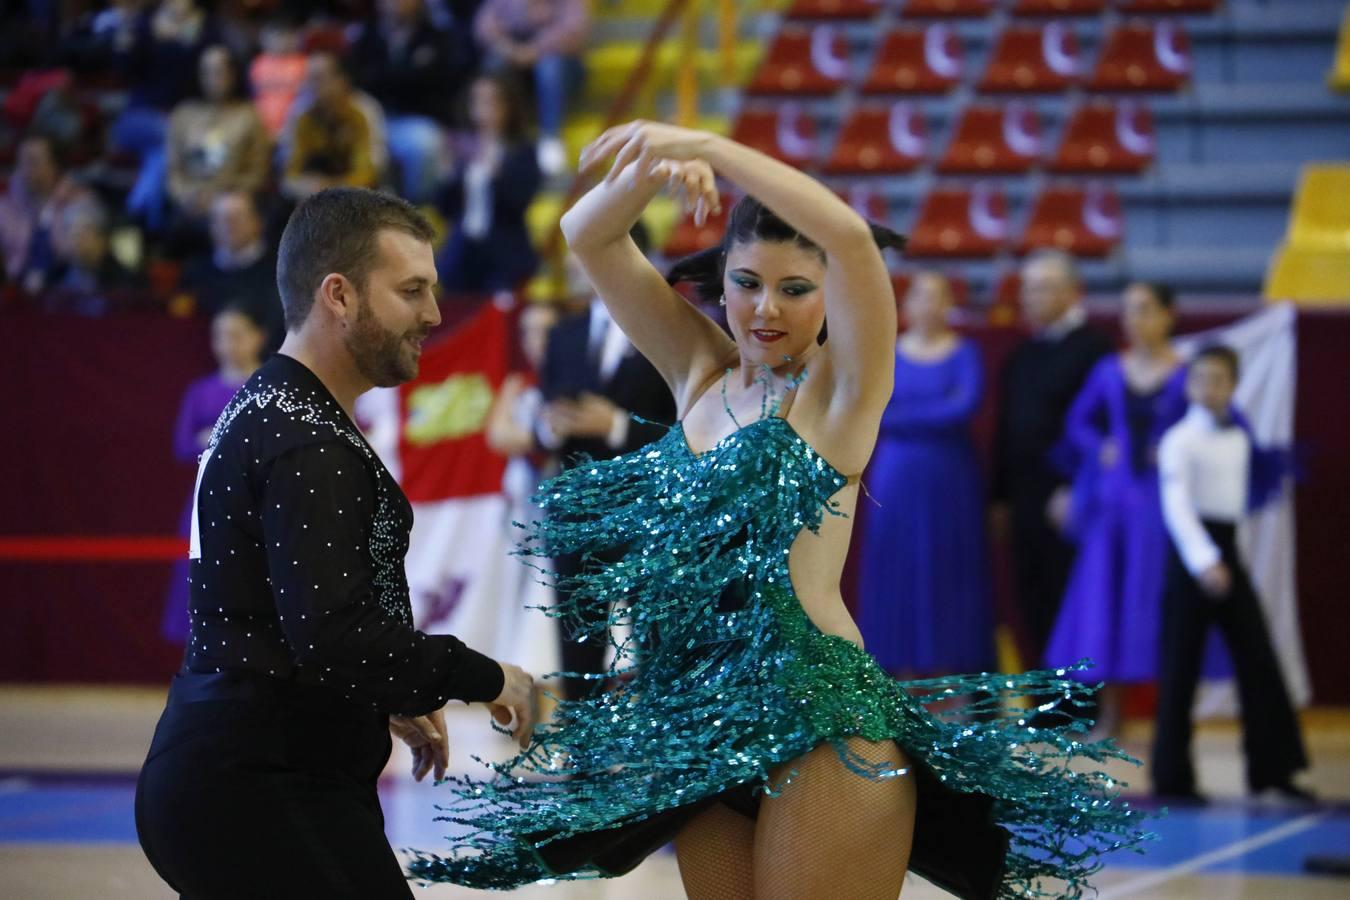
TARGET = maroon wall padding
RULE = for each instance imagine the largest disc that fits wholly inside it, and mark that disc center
(85, 452)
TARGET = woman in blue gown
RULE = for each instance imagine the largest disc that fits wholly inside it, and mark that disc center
(1111, 605)
(924, 598)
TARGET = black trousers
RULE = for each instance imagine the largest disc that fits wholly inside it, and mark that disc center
(1271, 739)
(585, 657)
(257, 788)
(1042, 560)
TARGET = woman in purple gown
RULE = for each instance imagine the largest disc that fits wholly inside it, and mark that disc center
(1111, 605)
(237, 340)
(924, 580)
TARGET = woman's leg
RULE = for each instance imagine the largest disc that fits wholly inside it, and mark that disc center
(834, 833)
(716, 854)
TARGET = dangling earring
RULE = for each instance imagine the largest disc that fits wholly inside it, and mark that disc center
(722, 301)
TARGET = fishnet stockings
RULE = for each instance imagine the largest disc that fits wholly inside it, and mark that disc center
(830, 833)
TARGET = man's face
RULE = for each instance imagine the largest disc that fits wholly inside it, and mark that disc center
(325, 81)
(1210, 383)
(1048, 292)
(35, 167)
(235, 224)
(396, 311)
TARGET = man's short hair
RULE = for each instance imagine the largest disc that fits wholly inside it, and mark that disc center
(1065, 261)
(337, 231)
(1222, 354)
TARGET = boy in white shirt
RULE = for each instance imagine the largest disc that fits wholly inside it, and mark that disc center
(1205, 463)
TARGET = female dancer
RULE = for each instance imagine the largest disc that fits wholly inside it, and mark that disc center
(754, 729)
(925, 563)
(1110, 611)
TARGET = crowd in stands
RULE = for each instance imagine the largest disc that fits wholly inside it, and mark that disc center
(156, 149)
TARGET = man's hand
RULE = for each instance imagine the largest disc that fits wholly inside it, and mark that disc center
(589, 416)
(426, 736)
(516, 704)
(1217, 581)
(1059, 507)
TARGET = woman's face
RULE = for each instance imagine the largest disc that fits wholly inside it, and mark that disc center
(1145, 321)
(775, 300)
(487, 107)
(928, 304)
(536, 321)
(216, 74)
(236, 342)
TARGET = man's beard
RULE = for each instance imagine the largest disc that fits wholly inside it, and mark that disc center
(382, 356)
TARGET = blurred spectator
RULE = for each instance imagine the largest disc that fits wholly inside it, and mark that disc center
(541, 40)
(241, 269)
(277, 74)
(216, 143)
(38, 191)
(1039, 380)
(412, 67)
(925, 562)
(97, 39)
(1110, 449)
(332, 143)
(237, 339)
(489, 248)
(162, 65)
(510, 427)
(87, 278)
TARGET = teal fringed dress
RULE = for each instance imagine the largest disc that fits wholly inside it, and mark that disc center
(725, 678)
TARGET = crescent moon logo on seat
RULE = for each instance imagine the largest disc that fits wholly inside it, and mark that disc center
(788, 134)
(941, 51)
(906, 130)
(1130, 131)
(824, 57)
(988, 215)
(1060, 49)
(1101, 212)
(1021, 129)
(1167, 47)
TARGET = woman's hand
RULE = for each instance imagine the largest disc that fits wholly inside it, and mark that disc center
(693, 183)
(647, 143)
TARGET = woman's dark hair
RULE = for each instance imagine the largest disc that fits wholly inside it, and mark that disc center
(241, 308)
(1163, 293)
(516, 128)
(749, 221)
(1222, 354)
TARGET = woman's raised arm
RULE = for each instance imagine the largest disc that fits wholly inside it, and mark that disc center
(663, 326)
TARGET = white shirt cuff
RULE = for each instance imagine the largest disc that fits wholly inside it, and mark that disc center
(547, 436)
(618, 432)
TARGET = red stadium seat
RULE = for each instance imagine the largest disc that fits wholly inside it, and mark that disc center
(1142, 57)
(868, 202)
(994, 139)
(785, 133)
(1167, 6)
(1082, 221)
(690, 238)
(833, 9)
(961, 222)
(803, 61)
(921, 8)
(1058, 7)
(1035, 58)
(880, 139)
(1104, 136)
(917, 60)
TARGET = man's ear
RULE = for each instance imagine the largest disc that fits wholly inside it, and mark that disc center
(338, 297)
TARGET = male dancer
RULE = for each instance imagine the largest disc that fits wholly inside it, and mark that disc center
(261, 779)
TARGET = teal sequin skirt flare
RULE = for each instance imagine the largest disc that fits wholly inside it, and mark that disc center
(721, 678)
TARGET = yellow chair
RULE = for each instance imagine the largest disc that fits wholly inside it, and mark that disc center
(1313, 263)
(1339, 76)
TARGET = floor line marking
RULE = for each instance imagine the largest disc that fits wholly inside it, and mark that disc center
(1190, 867)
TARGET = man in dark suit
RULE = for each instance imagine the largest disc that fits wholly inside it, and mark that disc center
(1039, 381)
(594, 382)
